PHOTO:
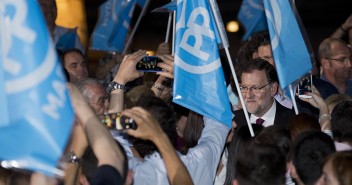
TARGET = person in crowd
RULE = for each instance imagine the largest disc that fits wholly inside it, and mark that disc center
(335, 99)
(280, 137)
(341, 125)
(308, 153)
(337, 169)
(302, 122)
(259, 84)
(259, 164)
(201, 160)
(74, 62)
(335, 58)
(95, 94)
(240, 140)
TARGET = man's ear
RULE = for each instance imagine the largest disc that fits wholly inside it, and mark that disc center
(274, 89)
(324, 62)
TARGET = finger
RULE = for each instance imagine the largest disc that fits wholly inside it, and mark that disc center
(165, 66)
(165, 74)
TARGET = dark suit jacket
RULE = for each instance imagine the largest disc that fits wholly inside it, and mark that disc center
(282, 116)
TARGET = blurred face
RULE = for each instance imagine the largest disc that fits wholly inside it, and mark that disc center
(328, 177)
(258, 103)
(76, 66)
(339, 64)
(98, 99)
(265, 53)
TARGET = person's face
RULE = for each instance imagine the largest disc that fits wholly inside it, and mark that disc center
(98, 99)
(258, 103)
(340, 70)
(76, 66)
(328, 177)
(265, 53)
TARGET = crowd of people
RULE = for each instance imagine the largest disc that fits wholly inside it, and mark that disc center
(174, 145)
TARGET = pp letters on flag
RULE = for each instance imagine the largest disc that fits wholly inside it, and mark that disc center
(199, 81)
(35, 110)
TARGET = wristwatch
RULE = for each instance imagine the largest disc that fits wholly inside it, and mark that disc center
(72, 158)
(114, 85)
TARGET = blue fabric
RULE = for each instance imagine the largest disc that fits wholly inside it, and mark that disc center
(67, 40)
(35, 110)
(290, 52)
(199, 80)
(252, 17)
(113, 24)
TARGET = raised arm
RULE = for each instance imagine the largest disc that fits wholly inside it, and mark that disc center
(100, 140)
(127, 72)
(149, 129)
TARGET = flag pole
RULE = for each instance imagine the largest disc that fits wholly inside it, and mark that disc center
(223, 37)
(168, 27)
(135, 27)
(293, 99)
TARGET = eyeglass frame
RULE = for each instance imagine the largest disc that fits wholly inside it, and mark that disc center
(342, 60)
(253, 88)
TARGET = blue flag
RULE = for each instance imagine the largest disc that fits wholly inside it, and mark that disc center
(290, 52)
(119, 33)
(108, 19)
(67, 40)
(35, 110)
(252, 17)
(199, 80)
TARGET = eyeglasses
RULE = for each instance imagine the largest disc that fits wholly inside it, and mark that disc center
(245, 89)
(342, 60)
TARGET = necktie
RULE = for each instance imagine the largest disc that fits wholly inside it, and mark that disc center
(259, 121)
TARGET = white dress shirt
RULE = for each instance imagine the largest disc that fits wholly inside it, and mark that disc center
(201, 160)
(269, 116)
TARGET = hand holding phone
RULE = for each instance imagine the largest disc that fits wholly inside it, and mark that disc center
(149, 64)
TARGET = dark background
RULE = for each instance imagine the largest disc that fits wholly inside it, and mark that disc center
(320, 18)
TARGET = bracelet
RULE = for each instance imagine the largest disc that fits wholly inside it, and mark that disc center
(344, 30)
(324, 115)
(160, 88)
(114, 85)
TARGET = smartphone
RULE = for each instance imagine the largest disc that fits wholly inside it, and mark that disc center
(149, 64)
(304, 86)
(117, 121)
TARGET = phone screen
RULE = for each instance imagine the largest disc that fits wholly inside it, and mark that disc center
(304, 86)
(149, 64)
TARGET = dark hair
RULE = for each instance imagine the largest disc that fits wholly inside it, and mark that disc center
(341, 122)
(260, 39)
(166, 118)
(89, 163)
(133, 95)
(309, 150)
(72, 50)
(241, 138)
(260, 164)
(302, 122)
(193, 131)
(277, 136)
(261, 65)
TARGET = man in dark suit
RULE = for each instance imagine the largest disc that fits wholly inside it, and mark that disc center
(259, 84)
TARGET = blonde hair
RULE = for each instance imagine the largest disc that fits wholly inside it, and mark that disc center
(335, 99)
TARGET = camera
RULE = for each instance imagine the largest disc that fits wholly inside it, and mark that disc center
(117, 121)
(149, 64)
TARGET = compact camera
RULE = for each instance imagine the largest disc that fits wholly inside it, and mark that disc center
(118, 122)
(149, 64)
